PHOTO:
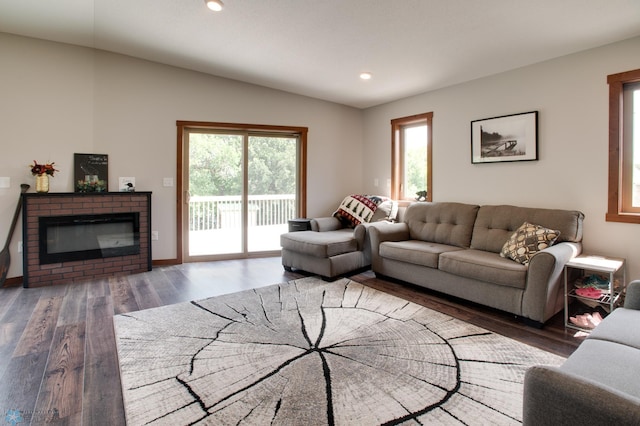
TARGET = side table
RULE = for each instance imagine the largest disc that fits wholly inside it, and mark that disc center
(610, 297)
(299, 224)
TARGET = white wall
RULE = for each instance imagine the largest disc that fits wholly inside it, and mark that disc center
(571, 95)
(57, 100)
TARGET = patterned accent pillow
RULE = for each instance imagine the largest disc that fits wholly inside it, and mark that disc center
(356, 209)
(527, 241)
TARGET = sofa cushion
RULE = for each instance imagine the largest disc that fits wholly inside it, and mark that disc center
(495, 224)
(618, 327)
(527, 241)
(609, 363)
(442, 223)
(484, 266)
(324, 224)
(320, 244)
(414, 251)
(387, 210)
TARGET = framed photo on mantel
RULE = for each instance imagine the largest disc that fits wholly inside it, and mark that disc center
(506, 138)
(91, 172)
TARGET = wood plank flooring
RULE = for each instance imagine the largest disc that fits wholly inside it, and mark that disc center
(58, 360)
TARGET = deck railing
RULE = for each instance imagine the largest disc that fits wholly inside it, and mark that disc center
(207, 213)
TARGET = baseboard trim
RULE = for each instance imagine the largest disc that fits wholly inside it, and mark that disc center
(12, 282)
(165, 262)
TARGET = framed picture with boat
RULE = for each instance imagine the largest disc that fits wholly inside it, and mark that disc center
(505, 138)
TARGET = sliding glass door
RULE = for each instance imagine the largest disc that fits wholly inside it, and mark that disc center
(271, 189)
(241, 189)
(215, 166)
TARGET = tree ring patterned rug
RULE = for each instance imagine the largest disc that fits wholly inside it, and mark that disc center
(310, 352)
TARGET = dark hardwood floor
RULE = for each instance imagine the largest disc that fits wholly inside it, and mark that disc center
(58, 359)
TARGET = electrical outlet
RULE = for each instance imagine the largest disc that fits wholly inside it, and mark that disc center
(154, 235)
(19, 246)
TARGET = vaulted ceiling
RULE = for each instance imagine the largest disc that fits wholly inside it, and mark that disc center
(319, 48)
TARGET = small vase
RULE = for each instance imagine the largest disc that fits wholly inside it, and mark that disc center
(42, 183)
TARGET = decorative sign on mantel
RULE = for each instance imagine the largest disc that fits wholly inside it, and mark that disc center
(91, 172)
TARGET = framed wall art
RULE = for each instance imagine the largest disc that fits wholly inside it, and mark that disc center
(91, 172)
(505, 138)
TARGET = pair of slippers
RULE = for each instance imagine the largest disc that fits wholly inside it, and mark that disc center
(587, 320)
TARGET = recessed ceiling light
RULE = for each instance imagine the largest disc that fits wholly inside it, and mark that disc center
(366, 75)
(215, 5)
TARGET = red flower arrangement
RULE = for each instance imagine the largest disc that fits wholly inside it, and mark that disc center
(42, 169)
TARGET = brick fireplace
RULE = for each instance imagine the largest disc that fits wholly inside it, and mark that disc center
(37, 272)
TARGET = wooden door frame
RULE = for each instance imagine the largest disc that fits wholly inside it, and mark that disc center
(180, 185)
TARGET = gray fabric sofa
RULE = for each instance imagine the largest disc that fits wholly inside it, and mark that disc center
(599, 383)
(454, 248)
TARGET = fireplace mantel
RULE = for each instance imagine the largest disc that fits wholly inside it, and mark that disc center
(36, 205)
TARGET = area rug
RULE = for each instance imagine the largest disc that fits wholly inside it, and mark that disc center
(310, 352)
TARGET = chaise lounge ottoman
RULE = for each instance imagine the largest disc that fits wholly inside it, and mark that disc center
(339, 244)
(327, 250)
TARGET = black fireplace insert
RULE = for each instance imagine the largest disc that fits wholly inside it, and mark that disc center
(83, 237)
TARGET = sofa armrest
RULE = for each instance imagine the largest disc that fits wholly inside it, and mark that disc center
(385, 231)
(554, 397)
(324, 224)
(362, 235)
(632, 296)
(544, 291)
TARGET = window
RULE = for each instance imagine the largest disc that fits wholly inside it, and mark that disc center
(411, 157)
(624, 147)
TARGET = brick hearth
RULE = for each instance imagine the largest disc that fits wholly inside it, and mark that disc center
(63, 204)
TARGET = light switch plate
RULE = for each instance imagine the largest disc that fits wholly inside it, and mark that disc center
(168, 182)
(5, 182)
